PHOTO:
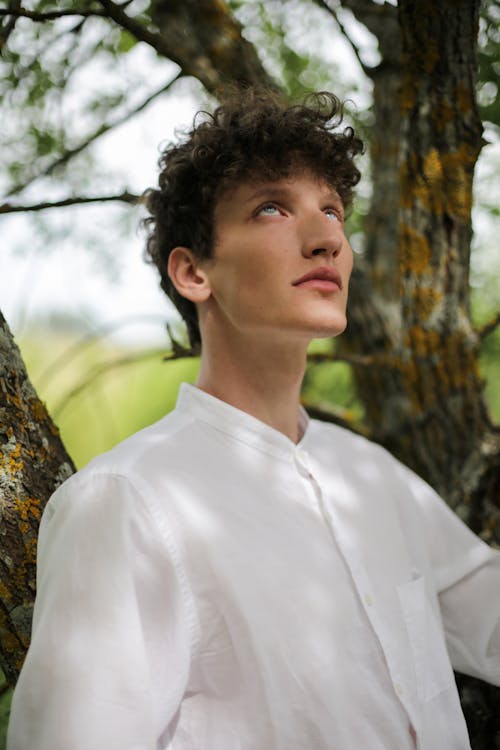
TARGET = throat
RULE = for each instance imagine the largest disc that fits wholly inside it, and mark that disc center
(257, 386)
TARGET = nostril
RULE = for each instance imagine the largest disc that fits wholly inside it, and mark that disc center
(319, 251)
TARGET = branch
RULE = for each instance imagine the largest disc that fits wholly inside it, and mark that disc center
(139, 31)
(50, 15)
(323, 4)
(7, 28)
(364, 360)
(125, 197)
(382, 21)
(336, 415)
(489, 327)
(104, 128)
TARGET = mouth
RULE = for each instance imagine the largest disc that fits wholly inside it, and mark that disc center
(324, 278)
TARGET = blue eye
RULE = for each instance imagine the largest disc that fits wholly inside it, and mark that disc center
(332, 215)
(268, 209)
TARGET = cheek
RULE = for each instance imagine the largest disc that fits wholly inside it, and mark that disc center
(349, 261)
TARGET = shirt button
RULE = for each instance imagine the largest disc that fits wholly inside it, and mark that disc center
(399, 689)
(368, 600)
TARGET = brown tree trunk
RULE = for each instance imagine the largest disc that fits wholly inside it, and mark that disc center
(422, 390)
(33, 463)
(454, 442)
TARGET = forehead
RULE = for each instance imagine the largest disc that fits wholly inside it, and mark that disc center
(252, 189)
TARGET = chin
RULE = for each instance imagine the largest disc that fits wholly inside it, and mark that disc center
(330, 329)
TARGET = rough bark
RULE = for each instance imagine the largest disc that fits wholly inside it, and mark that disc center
(33, 462)
(422, 347)
(441, 396)
(208, 42)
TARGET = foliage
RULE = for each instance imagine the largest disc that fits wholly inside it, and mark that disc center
(489, 62)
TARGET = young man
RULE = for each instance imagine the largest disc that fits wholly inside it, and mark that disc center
(237, 577)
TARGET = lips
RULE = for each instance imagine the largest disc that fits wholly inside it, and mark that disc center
(322, 278)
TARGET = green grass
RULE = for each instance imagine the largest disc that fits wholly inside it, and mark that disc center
(102, 394)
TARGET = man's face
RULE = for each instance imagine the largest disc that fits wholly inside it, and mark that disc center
(281, 261)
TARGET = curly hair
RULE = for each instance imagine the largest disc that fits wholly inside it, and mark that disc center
(253, 135)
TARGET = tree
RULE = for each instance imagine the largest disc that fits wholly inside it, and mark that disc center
(411, 336)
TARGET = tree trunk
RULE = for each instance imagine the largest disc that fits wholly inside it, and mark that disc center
(33, 463)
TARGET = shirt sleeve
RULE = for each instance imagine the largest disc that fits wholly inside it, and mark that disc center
(110, 651)
(467, 579)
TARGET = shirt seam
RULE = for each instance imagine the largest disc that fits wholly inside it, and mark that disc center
(145, 492)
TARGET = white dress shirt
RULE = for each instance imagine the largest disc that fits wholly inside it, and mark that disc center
(210, 585)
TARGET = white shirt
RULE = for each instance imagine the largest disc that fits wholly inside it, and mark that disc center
(210, 585)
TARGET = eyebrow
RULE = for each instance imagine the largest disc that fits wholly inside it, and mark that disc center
(278, 191)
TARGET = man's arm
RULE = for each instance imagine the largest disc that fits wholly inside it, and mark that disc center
(467, 579)
(110, 651)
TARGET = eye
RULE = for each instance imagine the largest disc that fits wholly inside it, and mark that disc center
(268, 209)
(332, 214)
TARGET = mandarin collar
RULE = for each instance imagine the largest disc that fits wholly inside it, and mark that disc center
(238, 424)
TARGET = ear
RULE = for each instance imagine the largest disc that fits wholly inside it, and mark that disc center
(187, 275)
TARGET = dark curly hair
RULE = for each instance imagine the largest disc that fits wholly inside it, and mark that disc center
(253, 134)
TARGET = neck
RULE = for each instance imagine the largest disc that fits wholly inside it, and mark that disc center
(261, 379)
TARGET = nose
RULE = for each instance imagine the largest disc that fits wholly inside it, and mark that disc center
(322, 236)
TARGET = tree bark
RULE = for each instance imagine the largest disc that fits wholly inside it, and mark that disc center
(33, 462)
(208, 42)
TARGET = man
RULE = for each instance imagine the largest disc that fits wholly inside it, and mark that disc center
(237, 577)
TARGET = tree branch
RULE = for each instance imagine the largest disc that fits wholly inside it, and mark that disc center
(381, 21)
(335, 415)
(8, 27)
(139, 31)
(489, 327)
(365, 68)
(125, 197)
(350, 359)
(101, 130)
(49, 15)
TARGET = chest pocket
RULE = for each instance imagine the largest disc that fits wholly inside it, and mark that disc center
(433, 670)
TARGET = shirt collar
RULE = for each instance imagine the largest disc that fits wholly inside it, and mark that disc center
(238, 424)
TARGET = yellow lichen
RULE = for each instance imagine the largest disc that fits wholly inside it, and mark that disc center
(425, 299)
(38, 409)
(415, 251)
(463, 98)
(15, 462)
(442, 114)
(5, 594)
(432, 167)
(442, 184)
(423, 342)
(28, 506)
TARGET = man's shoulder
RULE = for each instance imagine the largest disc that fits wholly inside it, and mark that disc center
(151, 448)
(346, 441)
